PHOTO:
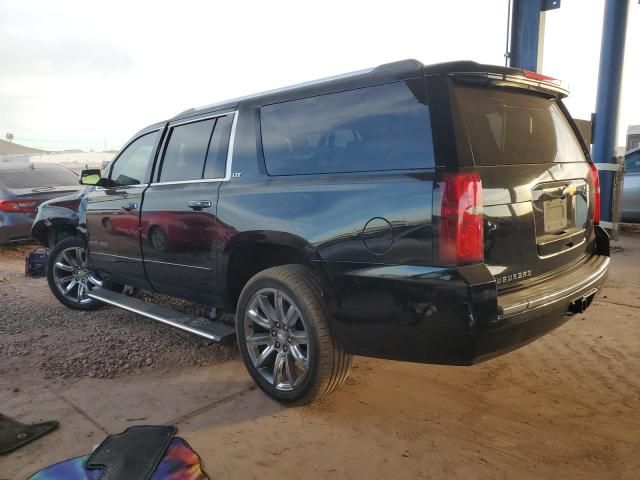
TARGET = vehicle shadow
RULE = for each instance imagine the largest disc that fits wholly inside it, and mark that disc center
(247, 404)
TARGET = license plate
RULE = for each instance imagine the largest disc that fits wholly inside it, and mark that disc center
(555, 214)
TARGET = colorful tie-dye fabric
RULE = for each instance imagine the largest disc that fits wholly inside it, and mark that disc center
(179, 462)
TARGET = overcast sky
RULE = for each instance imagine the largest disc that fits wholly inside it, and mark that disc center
(83, 74)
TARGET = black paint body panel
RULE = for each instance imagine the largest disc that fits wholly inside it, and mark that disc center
(184, 265)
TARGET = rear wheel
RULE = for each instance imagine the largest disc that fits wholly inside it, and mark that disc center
(284, 336)
(69, 278)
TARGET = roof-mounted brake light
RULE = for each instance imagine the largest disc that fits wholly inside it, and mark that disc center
(540, 77)
(526, 79)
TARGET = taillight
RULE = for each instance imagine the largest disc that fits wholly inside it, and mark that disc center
(461, 230)
(18, 206)
(596, 193)
(8, 206)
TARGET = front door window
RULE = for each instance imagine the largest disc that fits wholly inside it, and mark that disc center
(132, 166)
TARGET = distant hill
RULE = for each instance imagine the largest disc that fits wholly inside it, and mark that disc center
(8, 148)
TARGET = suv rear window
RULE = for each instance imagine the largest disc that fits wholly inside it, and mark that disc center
(386, 127)
(47, 176)
(505, 127)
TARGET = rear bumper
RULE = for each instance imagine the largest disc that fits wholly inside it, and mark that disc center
(14, 227)
(450, 316)
(630, 216)
(528, 314)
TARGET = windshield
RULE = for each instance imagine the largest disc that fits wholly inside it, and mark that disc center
(38, 177)
(507, 127)
(632, 163)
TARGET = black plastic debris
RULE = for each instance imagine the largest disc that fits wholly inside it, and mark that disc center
(133, 454)
(14, 435)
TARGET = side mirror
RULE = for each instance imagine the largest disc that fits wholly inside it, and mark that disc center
(91, 176)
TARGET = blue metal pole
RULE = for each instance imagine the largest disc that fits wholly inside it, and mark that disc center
(614, 29)
(525, 33)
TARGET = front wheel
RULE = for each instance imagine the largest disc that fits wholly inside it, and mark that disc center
(284, 336)
(69, 278)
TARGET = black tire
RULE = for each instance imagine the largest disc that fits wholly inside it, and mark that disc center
(54, 254)
(328, 364)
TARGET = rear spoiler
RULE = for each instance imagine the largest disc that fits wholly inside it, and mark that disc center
(528, 80)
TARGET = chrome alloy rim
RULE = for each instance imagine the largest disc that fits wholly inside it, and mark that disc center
(72, 277)
(276, 338)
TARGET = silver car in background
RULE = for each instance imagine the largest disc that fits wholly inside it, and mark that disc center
(631, 188)
(23, 187)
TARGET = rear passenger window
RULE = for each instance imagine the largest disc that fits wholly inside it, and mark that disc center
(186, 151)
(386, 127)
(217, 156)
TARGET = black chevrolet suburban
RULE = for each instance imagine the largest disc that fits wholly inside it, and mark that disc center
(439, 214)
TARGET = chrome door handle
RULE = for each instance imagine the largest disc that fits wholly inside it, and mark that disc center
(129, 206)
(199, 204)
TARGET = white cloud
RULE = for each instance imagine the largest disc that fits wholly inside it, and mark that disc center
(79, 74)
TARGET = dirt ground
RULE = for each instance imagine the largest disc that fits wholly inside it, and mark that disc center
(103, 344)
(566, 406)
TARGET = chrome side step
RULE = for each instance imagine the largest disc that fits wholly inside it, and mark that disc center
(203, 327)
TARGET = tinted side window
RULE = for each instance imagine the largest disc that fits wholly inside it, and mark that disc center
(131, 167)
(386, 127)
(186, 151)
(218, 147)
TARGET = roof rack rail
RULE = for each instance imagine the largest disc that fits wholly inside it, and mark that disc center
(400, 64)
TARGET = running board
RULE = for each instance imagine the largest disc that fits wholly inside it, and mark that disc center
(212, 330)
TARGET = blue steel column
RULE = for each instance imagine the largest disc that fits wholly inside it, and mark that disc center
(605, 132)
(525, 32)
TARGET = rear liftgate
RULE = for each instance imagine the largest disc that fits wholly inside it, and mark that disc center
(212, 330)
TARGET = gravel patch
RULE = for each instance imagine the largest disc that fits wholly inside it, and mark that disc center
(630, 227)
(37, 331)
(15, 250)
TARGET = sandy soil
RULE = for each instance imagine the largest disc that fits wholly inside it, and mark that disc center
(566, 406)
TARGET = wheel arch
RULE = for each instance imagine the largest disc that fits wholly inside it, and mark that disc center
(251, 252)
(51, 231)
